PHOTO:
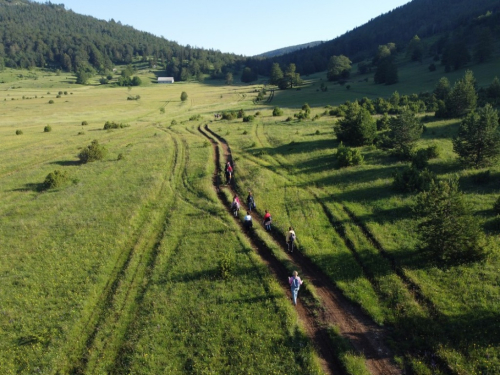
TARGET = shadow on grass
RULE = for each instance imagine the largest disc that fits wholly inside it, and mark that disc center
(35, 187)
(297, 147)
(67, 163)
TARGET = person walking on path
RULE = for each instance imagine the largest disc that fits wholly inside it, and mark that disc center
(267, 221)
(295, 283)
(250, 201)
(247, 222)
(290, 239)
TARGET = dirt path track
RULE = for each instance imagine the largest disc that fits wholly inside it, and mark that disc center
(365, 336)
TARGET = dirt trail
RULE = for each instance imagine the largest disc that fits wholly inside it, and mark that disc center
(365, 336)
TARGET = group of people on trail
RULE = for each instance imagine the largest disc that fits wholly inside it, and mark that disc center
(294, 281)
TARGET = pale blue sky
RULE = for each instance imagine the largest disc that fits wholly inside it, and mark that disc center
(247, 28)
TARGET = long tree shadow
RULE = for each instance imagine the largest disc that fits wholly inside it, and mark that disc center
(67, 163)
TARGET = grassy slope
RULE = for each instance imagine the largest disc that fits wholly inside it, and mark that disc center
(85, 266)
(61, 248)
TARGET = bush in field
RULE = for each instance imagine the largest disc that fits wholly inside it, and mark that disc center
(114, 125)
(19, 132)
(173, 122)
(383, 122)
(357, 128)
(448, 231)
(227, 265)
(241, 114)
(93, 152)
(51, 101)
(184, 96)
(432, 152)
(411, 179)
(231, 115)
(347, 156)
(120, 156)
(47, 129)
(84, 123)
(248, 118)
(195, 117)
(55, 179)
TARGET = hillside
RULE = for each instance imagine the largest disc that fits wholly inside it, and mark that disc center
(438, 23)
(48, 35)
(285, 50)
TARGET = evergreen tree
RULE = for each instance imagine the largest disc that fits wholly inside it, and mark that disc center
(463, 97)
(448, 231)
(357, 128)
(405, 131)
(493, 90)
(415, 49)
(442, 89)
(478, 141)
(229, 78)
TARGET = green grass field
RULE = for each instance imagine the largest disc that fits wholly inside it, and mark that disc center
(121, 269)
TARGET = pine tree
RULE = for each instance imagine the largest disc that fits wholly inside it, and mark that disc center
(448, 231)
(357, 128)
(462, 98)
(478, 141)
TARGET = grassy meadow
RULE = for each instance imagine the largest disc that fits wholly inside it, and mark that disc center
(134, 266)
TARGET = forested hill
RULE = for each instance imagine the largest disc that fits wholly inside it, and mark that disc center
(425, 18)
(282, 51)
(34, 34)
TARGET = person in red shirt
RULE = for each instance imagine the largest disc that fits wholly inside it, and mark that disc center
(267, 220)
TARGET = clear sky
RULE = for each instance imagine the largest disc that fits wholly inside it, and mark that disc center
(242, 27)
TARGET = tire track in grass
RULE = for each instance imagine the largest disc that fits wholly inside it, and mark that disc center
(365, 336)
(118, 294)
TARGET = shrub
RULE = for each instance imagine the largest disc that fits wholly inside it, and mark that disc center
(81, 133)
(58, 96)
(245, 132)
(411, 180)
(231, 115)
(184, 96)
(347, 156)
(288, 119)
(54, 180)
(248, 118)
(420, 159)
(206, 144)
(47, 129)
(84, 123)
(51, 101)
(173, 122)
(277, 111)
(19, 132)
(114, 125)
(227, 265)
(195, 117)
(120, 156)
(432, 152)
(241, 114)
(93, 152)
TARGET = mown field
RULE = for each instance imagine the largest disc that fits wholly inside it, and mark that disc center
(122, 269)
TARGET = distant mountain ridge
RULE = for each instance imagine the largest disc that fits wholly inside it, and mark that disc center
(285, 50)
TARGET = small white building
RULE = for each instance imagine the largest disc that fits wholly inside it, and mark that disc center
(165, 79)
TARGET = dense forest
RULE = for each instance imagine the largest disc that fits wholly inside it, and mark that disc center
(48, 35)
